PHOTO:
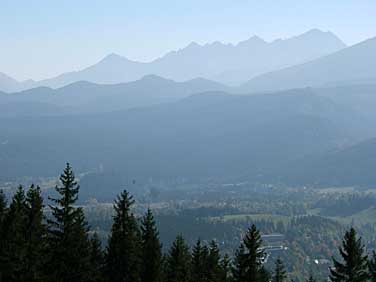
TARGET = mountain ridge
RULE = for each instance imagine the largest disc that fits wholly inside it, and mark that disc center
(227, 63)
(91, 97)
(354, 63)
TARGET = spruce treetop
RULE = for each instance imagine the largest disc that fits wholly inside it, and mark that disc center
(354, 267)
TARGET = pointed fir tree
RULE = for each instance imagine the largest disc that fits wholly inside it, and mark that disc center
(123, 260)
(96, 259)
(178, 262)
(151, 250)
(206, 263)
(68, 242)
(199, 267)
(83, 250)
(214, 269)
(35, 235)
(239, 265)
(354, 265)
(279, 274)
(14, 252)
(372, 267)
(253, 255)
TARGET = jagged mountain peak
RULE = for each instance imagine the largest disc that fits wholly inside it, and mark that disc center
(224, 62)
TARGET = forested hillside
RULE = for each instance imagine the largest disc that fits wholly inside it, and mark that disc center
(55, 243)
(212, 141)
(203, 136)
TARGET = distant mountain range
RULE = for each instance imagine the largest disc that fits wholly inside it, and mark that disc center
(353, 65)
(212, 135)
(307, 124)
(226, 63)
(199, 136)
(86, 97)
(9, 84)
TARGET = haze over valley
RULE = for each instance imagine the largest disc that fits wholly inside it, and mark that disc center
(251, 132)
(260, 153)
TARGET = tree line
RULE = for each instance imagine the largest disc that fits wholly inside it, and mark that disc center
(62, 248)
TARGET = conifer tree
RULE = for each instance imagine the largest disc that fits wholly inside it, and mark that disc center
(123, 261)
(14, 252)
(280, 274)
(239, 265)
(199, 267)
(225, 266)
(254, 254)
(68, 241)
(178, 262)
(15, 227)
(83, 250)
(35, 235)
(24, 237)
(372, 267)
(151, 250)
(96, 259)
(354, 265)
(164, 267)
(214, 270)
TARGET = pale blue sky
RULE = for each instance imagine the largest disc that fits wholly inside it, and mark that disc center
(43, 38)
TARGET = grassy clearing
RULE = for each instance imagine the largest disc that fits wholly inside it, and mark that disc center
(336, 190)
(250, 217)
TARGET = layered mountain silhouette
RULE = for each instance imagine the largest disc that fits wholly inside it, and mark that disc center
(226, 63)
(319, 131)
(307, 136)
(7, 83)
(352, 65)
(202, 136)
(86, 97)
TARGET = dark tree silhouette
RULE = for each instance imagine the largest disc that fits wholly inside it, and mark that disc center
(123, 260)
(354, 265)
(68, 241)
(279, 274)
(372, 267)
(35, 235)
(178, 262)
(151, 250)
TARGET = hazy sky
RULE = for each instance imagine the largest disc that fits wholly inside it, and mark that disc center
(43, 38)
